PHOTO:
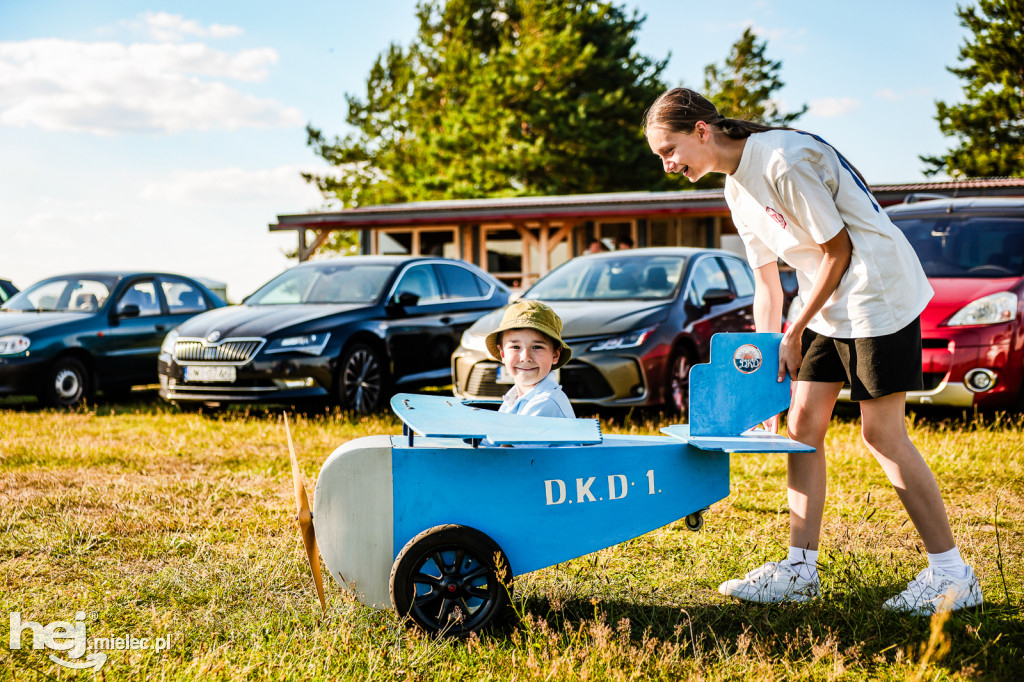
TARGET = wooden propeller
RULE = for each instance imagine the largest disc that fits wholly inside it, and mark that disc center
(305, 518)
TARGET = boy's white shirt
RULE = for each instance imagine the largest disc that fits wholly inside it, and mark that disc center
(792, 192)
(545, 399)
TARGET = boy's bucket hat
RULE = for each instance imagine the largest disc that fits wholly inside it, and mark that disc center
(530, 315)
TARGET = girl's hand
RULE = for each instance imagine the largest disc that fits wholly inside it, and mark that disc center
(790, 356)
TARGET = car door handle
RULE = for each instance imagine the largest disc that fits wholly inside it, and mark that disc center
(160, 327)
(446, 320)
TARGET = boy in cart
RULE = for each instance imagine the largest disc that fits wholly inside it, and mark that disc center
(528, 343)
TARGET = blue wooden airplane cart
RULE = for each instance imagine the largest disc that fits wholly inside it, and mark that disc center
(436, 522)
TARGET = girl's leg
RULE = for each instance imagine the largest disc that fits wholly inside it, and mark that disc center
(884, 430)
(809, 415)
(796, 579)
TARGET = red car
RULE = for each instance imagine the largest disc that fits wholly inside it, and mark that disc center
(973, 339)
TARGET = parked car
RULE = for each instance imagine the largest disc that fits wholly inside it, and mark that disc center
(636, 321)
(346, 329)
(973, 329)
(67, 336)
(7, 289)
(972, 332)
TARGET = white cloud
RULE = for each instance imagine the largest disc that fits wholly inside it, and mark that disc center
(281, 186)
(830, 107)
(108, 88)
(894, 96)
(174, 27)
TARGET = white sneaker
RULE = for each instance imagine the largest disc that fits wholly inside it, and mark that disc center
(935, 590)
(771, 583)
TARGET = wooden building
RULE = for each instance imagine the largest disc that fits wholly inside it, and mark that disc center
(520, 239)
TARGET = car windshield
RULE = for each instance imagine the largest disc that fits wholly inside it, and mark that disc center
(63, 294)
(325, 283)
(589, 278)
(976, 246)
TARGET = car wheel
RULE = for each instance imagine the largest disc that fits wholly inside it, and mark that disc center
(677, 383)
(360, 380)
(67, 384)
(451, 580)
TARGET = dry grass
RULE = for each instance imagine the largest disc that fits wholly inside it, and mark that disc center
(157, 523)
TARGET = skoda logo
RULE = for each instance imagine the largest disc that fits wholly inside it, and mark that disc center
(212, 338)
(747, 358)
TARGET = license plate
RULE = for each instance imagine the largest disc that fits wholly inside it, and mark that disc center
(502, 376)
(210, 374)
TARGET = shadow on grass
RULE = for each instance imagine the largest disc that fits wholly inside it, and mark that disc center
(983, 640)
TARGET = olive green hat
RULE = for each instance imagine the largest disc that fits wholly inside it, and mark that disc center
(530, 315)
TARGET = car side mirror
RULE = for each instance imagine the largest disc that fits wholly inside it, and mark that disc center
(713, 297)
(129, 310)
(406, 299)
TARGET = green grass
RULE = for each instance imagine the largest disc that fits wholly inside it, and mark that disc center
(157, 523)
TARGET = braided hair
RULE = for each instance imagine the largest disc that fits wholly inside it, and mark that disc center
(679, 109)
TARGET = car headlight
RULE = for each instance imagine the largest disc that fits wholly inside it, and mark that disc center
(12, 345)
(471, 340)
(628, 340)
(991, 309)
(313, 344)
(170, 341)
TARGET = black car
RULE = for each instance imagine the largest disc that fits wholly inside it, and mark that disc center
(66, 336)
(7, 289)
(637, 320)
(346, 329)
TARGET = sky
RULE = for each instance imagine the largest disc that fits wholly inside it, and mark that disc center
(168, 135)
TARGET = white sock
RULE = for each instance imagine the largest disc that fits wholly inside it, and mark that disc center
(804, 562)
(949, 562)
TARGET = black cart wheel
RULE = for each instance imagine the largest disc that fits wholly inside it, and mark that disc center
(451, 580)
(67, 384)
(360, 380)
(694, 521)
(678, 383)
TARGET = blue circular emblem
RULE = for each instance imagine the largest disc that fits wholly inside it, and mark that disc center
(747, 358)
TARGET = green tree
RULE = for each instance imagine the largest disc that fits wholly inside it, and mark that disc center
(989, 126)
(499, 98)
(744, 85)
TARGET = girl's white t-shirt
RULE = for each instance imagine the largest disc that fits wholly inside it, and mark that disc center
(792, 192)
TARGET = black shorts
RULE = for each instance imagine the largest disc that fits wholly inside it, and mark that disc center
(873, 367)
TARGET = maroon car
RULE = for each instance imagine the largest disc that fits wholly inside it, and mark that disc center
(637, 320)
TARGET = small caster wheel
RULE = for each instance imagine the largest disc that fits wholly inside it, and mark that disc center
(694, 521)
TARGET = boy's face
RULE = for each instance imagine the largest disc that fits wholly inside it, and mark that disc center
(528, 356)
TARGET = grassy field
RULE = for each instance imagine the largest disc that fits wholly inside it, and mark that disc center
(152, 523)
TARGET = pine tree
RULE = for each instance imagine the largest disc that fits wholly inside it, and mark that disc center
(744, 85)
(989, 126)
(500, 98)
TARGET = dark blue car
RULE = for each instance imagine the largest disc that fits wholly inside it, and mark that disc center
(345, 330)
(66, 337)
(7, 289)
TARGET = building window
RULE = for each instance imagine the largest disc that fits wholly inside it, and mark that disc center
(504, 253)
(419, 241)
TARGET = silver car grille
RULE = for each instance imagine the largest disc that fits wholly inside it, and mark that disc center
(228, 351)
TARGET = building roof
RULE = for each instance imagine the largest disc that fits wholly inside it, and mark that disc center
(509, 209)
